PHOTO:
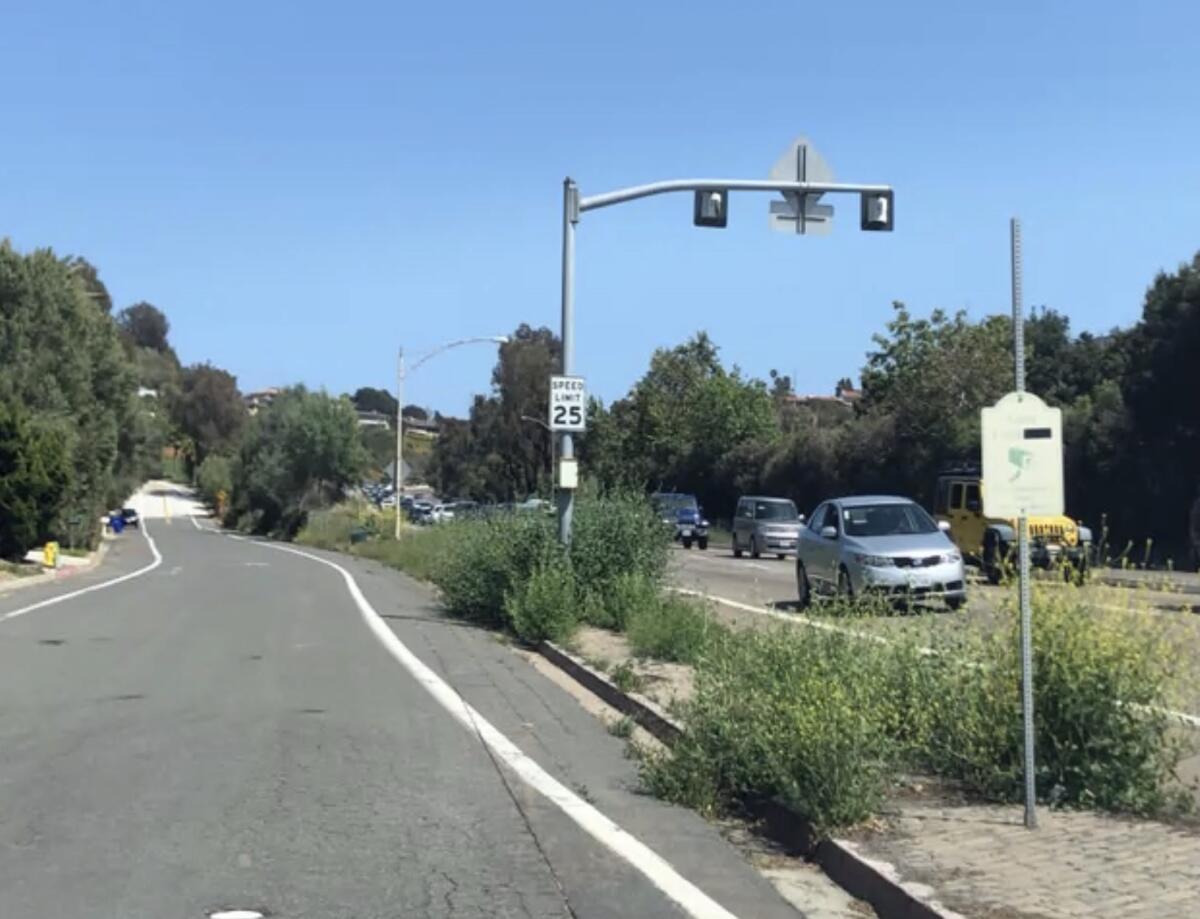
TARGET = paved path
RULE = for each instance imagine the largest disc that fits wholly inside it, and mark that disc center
(981, 861)
(230, 729)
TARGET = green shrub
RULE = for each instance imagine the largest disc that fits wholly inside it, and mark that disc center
(617, 535)
(798, 716)
(214, 478)
(542, 606)
(329, 528)
(671, 628)
(625, 678)
(616, 602)
(1103, 738)
(487, 559)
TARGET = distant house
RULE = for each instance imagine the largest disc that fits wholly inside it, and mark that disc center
(256, 400)
(371, 419)
(819, 410)
(422, 427)
(145, 392)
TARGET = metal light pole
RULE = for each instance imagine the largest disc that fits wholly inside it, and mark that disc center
(401, 375)
(549, 431)
(1018, 319)
(876, 217)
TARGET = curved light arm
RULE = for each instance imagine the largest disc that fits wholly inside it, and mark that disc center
(537, 421)
(658, 188)
(494, 339)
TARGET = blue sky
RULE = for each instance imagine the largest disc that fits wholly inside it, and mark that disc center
(304, 186)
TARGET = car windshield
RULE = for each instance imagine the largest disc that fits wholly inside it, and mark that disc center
(886, 520)
(673, 503)
(775, 510)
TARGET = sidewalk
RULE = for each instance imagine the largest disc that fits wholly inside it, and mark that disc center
(981, 861)
(1186, 582)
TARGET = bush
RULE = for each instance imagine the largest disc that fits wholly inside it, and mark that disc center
(487, 559)
(617, 535)
(617, 602)
(543, 605)
(1103, 739)
(35, 481)
(795, 716)
(671, 628)
(214, 479)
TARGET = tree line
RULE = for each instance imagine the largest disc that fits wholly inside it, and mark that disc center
(1131, 419)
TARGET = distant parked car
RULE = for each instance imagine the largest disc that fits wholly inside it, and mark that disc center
(763, 524)
(441, 513)
(682, 513)
(877, 544)
(130, 515)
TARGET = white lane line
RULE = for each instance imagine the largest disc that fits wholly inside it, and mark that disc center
(103, 584)
(1192, 721)
(195, 522)
(656, 869)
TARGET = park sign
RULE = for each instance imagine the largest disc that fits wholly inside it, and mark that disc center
(1022, 458)
(568, 404)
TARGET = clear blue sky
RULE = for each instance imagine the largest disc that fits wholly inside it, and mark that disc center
(303, 186)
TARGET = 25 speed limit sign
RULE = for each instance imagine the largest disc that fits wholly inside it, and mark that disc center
(568, 404)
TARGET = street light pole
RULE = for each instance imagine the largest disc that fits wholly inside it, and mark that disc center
(399, 477)
(566, 496)
(401, 374)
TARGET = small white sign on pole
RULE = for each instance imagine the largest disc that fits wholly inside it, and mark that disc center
(568, 404)
(1022, 458)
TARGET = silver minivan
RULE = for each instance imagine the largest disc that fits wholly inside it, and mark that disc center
(762, 524)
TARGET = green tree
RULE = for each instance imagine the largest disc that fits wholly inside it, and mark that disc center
(34, 477)
(369, 399)
(144, 326)
(209, 410)
(299, 453)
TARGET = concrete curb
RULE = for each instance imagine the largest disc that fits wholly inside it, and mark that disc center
(47, 577)
(875, 882)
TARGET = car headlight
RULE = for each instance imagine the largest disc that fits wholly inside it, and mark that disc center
(703, 523)
(874, 561)
(953, 557)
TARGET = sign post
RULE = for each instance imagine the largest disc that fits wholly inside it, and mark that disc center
(1023, 476)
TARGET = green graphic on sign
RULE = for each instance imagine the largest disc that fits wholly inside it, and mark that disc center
(1020, 460)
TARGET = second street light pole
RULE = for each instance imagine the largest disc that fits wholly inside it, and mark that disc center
(398, 478)
(566, 496)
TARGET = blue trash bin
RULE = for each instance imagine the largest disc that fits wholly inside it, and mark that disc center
(117, 522)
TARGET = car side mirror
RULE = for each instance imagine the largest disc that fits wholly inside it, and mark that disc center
(800, 518)
(974, 506)
(829, 532)
(944, 526)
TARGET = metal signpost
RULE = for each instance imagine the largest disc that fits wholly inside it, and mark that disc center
(800, 175)
(1022, 476)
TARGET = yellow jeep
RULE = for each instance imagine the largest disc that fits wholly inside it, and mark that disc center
(991, 543)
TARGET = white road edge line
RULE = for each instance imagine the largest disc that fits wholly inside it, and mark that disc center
(195, 522)
(656, 869)
(1191, 721)
(103, 584)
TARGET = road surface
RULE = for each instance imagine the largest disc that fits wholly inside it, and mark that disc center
(231, 725)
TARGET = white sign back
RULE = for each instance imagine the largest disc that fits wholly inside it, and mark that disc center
(796, 214)
(1022, 458)
(568, 404)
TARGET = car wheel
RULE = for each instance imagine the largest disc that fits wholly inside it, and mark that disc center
(737, 550)
(992, 573)
(702, 543)
(754, 553)
(845, 586)
(955, 603)
(781, 556)
(803, 590)
(687, 543)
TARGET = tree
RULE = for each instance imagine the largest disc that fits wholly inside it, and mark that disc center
(93, 288)
(299, 453)
(932, 376)
(496, 455)
(209, 410)
(34, 477)
(415, 411)
(143, 325)
(369, 399)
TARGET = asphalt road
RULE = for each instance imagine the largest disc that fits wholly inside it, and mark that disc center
(233, 728)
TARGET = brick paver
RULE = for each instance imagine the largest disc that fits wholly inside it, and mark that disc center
(981, 861)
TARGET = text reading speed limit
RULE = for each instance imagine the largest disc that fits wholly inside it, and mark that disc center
(568, 404)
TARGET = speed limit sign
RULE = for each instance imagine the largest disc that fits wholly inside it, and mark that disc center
(568, 404)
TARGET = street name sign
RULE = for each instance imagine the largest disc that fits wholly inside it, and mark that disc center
(798, 213)
(1022, 458)
(568, 404)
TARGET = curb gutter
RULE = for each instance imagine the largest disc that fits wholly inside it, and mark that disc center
(57, 574)
(875, 882)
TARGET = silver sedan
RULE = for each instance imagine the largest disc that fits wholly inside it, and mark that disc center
(881, 545)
